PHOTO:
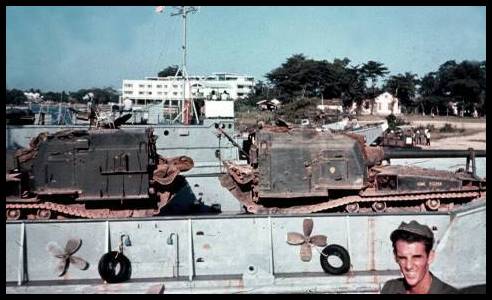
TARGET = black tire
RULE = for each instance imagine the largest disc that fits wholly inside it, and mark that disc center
(107, 267)
(338, 251)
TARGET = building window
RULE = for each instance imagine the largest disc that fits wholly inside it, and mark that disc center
(140, 93)
(159, 93)
(149, 85)
(165, 86)
(141, 85)
(159, 86)
(165, 93)
(175, 85)
(240, 86)
(128, 85)
(149, 93)
(175, 93)
(128, 92)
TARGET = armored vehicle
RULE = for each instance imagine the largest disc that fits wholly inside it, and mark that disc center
(300, 170)
(91, 174)
(402, 136)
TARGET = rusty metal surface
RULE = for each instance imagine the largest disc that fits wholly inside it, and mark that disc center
(371, 196)
(416, 171)
(303, 170)
(72, 168)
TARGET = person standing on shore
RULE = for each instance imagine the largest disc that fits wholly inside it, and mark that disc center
(427, 137)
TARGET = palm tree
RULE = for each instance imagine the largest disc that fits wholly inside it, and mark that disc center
(373, 70)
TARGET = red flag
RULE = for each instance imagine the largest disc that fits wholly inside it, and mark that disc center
(159, 9)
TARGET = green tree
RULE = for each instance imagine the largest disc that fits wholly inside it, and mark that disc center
(300, 77)
(259, 92)
(464, 83)
(404, 87)
(15, 97)
(101, 95)
(373, 70)
(292, 77)
(354, 87)
(432, 97)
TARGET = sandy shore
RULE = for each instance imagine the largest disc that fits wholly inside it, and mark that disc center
(475, 141)
(459, 124)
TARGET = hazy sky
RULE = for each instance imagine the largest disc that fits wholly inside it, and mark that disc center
(69, 48)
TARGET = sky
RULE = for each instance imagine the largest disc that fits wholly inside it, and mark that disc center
(72, 47)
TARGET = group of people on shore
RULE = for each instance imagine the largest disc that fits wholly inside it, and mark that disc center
(422, 138)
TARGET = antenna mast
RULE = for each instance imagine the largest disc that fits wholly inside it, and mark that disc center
(183, 11)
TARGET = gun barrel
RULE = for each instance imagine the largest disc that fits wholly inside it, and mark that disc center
(435, 153)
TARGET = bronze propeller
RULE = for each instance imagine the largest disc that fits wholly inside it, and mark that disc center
(306, 240)
(66, 256)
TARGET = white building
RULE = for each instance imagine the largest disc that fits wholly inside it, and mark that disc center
(384, 105)
(33, 96)
(217, 86)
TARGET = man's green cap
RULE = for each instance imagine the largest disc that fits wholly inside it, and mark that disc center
(416, 228)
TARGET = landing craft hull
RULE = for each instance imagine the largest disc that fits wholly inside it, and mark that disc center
(231, 254)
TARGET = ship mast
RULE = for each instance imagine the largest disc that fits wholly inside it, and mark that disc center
(183, 11)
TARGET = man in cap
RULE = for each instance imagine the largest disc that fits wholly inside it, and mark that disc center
(412, 247)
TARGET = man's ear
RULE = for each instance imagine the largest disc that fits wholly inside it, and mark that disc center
(432, 255)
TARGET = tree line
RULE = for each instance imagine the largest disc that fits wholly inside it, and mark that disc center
(300, 77)
(98, 95)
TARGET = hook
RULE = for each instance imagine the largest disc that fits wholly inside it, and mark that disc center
(170, 238)
(127, 241)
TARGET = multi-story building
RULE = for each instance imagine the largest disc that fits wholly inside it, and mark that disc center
(153, 90)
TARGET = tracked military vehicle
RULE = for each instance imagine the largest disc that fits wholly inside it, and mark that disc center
(300, 170)
(91, 174)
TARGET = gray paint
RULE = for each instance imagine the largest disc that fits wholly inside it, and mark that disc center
(243, 253)
(200, 142)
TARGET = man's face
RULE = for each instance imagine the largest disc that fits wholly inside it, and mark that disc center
(413, 261)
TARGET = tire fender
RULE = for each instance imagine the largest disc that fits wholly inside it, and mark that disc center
(341, 253)
(108, 265)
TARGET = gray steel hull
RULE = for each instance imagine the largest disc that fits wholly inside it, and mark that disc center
(239, 254)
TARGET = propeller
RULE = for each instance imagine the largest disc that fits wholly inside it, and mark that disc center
(306, 241)
(65, 256)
